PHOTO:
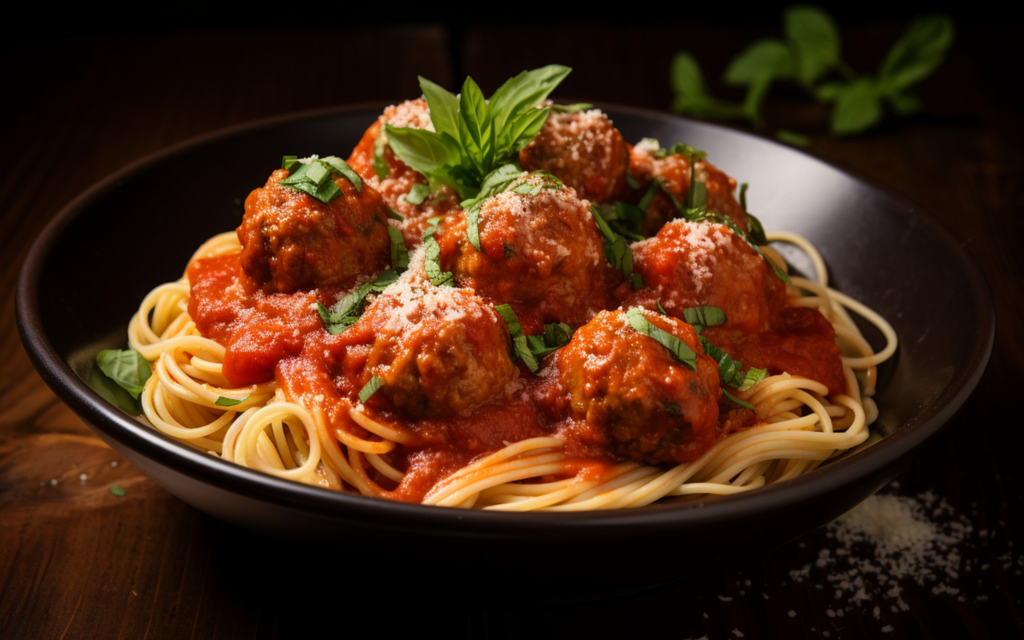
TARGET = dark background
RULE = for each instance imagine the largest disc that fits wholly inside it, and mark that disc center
(85, 94)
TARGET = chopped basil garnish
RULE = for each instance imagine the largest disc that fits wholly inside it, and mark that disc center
(730, 371)
(473, 228)
(380, 165)
(756, 229)
(370, 388)
(399, 253)
(346, 311)
(571, 108)
(616, 251)
(700, 214)
(127, 368)
(417, 194)
(394, 215)
(530, 348)
(704, 316)
(679, 349)
(437, 277)
(230, 402)
(315, 177)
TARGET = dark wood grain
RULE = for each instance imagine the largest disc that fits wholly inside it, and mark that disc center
(76, 561)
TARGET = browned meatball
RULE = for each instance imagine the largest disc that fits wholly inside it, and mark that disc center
(584, 150)
(541, 250)
(692, 264)
(401, 179)
(674, 172)
(630, 390)
(439, 350)
(291, 240)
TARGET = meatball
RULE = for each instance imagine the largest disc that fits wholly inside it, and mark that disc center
(584, 150)
(540, 251)
(674, 172)
(292, 241)
(400, 179)
(439, 350)
(629, 389)
(693, 264)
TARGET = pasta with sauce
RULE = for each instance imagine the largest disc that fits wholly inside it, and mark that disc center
(582, 336)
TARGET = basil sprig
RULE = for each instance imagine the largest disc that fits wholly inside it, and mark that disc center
(679, 349)
(616, 251)
(531, 348)
(315, 177)
(472, 136)
(730, 371)
(809, 56)
(346, 311)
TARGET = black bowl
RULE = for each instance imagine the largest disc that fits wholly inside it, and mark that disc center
(88, 270)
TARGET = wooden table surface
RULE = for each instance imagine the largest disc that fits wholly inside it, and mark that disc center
(77, 561)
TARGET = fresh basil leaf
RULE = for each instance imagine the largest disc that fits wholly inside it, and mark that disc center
(752, 377)
(523, 92)
(829, 91)
(764, 58)
(112, 392)
(125, 367)
(704, 316)
(679, 349)
(380, 164)
(857, 108)
(385, 278)
(904, 103)
(425, 151)
(521, 346)
(571, 108)
(370, 388)
(814, 40)
(417, 194)
(394, 215)
(230, 402)
(793, 138)
(444, 107)
(917, 54)
(687, 80)
(476, 127)
(520, 131)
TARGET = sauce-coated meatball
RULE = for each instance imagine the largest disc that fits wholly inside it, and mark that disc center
(439, 351)
(291, 240)
(693, 264)
(400, 178)
(674, 172)
(584, 150)
(540, 250)
(629, 390)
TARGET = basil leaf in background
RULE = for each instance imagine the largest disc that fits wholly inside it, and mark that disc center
(704, 316)
(691, 95)
(112, 392)
(917, 54)
(814, 40)
(793, 138)
(856, 108)
(127, 368)
(370, 388)
(904, 103)
(118, 491)
(829, 91)
(417, 194)
(571, 108)
(230, 402)
(380, 165)
(768, 57)
(679, 349)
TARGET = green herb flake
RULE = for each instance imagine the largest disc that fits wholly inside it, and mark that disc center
(118, 491)
(289, 162)
(230, 402)
(370, 388)
(399, 252)
(127, 368)
(380, 164)
(571, 108)
(679, 349)
(417, 194)
(394, 215)
(704, 316)
(348, 172)
(733, 398)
